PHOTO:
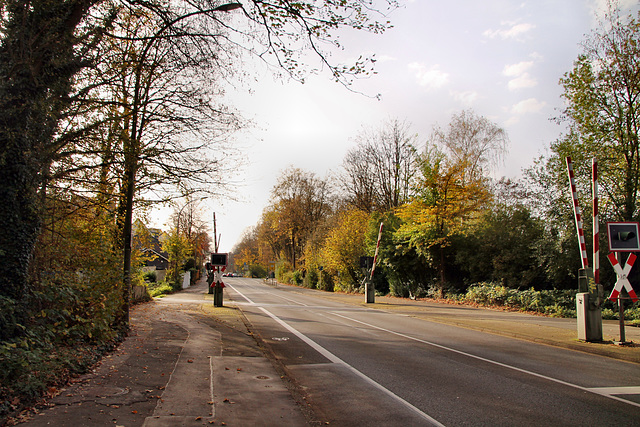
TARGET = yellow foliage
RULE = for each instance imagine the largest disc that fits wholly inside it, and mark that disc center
(344, 243)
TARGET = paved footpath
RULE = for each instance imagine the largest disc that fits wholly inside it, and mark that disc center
(180, 366)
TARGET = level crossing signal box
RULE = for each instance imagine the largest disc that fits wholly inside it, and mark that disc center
(623, 236)
(219, 260)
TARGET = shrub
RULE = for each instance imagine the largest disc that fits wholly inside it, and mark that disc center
(558, 303)
(325, 282)
(287, 277)
(163, 288)
(150, 277)
(311, 279)
(296, 277)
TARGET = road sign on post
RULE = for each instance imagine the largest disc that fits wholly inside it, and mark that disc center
(623, 281)
(218, 260)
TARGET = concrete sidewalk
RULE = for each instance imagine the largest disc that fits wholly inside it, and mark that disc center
(182, 365)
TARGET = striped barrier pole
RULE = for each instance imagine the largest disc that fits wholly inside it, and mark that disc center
(369, 290)
(596, 224)
(578, 215)
(375, 257)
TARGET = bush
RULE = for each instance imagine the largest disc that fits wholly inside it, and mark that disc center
(311, 279)
(150, 277)
(163, 288)
(256, 270)
(325, 282)
(297, 278)
(558, 303)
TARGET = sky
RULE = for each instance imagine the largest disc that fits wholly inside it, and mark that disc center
(503, 59)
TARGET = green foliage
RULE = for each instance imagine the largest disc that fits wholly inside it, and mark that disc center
(325, 282)
(257, 270)
(163, 288)
(603, 109)
(287, 278)
(150, 277)
(311, 279)
(501, 247)
(296, 277)
(177, 247)
(550, 302)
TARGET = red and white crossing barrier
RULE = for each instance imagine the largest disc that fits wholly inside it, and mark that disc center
(578, 215)
(596, 224)
(375, 257)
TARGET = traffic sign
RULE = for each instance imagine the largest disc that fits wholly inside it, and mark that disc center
(623, 280)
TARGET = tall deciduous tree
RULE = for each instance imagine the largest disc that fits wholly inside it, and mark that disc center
(473, 140)
(603, 96)
(343, 247)
(38, 59)
(379, 172)
(301, 201)
(44, 44)
(452, 189)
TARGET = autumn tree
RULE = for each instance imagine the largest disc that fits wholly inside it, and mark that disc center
(474, 141)
(452, 188)
(300, 201)
(379, 171)
(252, 253)
(343, 247)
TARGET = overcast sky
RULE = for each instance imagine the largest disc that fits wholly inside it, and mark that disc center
(501, 58)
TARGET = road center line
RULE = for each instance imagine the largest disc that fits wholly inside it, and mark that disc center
(504, 365)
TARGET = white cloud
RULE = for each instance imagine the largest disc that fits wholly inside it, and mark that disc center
(514, 31)
(430, 78)
(530, 105)
(522, 81)
(522, 78)
(386, 58)
(467, 98)
(518, 69)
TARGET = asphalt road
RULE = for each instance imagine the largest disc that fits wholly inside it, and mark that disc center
(356, 365)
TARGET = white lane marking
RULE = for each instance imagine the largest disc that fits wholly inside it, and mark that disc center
(242, 295)
(335, 359)
(615, 390)
(270, 293)
(289, 299)
(504, 365)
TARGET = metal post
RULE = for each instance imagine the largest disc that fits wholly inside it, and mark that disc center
(620, 304)
(217, 290)
(621, 315)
